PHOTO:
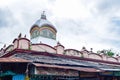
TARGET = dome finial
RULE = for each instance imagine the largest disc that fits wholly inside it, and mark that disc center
(43, 16)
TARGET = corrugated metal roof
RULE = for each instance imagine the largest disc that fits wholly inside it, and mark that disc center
(52, 60)
(8, 59)
(68, 62)
(69, 67)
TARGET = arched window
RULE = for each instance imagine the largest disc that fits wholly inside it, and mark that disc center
(47, 33)
(35, 33)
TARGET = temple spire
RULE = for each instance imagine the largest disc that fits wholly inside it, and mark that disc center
(43, 16)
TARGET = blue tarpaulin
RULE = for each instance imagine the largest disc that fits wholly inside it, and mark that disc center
(18, 77)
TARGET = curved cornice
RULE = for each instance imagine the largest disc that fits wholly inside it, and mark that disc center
(44, 45)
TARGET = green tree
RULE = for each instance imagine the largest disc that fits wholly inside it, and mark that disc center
(107, 52)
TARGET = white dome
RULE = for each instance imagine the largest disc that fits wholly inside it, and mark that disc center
(46, 35)
(42, 22)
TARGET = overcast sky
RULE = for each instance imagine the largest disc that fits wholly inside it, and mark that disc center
(90, 23)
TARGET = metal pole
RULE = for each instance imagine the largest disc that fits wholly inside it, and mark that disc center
(79, 75)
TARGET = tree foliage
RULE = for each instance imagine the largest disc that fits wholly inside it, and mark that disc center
(107, 52)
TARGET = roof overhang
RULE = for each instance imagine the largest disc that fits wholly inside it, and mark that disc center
(13, 60)
(110, 69)
(84, 69)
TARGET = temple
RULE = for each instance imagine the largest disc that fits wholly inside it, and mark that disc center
(43, 58)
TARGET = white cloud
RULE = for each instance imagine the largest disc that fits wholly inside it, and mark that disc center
(79, 22)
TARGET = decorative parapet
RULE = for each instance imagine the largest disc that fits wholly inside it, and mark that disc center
(59, 48)
(73, 52)
(43, 48)
(9, 48)
(89, 54)
(24, 43)
(21, 42)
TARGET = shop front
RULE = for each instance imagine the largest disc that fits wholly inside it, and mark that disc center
(13, 68)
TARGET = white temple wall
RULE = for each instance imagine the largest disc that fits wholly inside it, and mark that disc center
(43, 48)
(73, 53)
(10, 48)
(37, 48)
(23, 44)
(15, 44)
(60, 49)
(104, 57)
(85, 54)
(78, 54)
(95, 56)
(118, 59)
(112, 59)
